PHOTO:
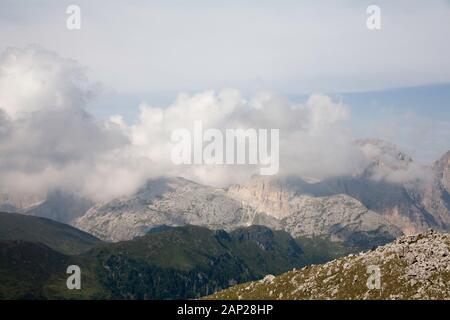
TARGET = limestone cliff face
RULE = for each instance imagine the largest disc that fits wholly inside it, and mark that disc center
(303, 213)
(442, 169)
(410, 197)
(266, 195)
(434, 197)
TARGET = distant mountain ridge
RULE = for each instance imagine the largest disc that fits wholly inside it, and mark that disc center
(177, 201)
(165, 201)
(58, 205)
(391, 197)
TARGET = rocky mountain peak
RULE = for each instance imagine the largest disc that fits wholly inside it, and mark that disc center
(384, 159)
(164, 201)
(442, 170)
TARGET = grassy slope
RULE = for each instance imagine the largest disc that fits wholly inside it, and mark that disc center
(58, 236)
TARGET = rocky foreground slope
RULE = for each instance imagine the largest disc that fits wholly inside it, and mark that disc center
(412, 267)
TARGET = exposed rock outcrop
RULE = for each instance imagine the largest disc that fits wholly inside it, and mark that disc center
(412, 267)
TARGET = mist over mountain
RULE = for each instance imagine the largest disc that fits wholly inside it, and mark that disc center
(369, 205)
(50, 141)
(391, 197)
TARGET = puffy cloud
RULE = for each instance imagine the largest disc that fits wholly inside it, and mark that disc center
(314, 141)
(33, 79)
(48, 139)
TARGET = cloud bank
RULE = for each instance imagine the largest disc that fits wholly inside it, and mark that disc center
(48, 139)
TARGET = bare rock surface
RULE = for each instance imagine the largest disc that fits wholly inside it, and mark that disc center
(412, 267)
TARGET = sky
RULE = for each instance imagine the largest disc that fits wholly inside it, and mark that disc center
(289, 46)
(138, 69)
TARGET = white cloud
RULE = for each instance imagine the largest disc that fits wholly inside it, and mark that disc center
(37, 80)
(313, 139)
(48, 140)
(392, 165)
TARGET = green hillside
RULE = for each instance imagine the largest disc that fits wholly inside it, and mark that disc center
(168, 263)
(58, 236)
(189, 261)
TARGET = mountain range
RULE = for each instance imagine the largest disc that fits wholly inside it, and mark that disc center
(176, 238)
(392, 196)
